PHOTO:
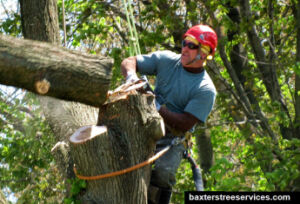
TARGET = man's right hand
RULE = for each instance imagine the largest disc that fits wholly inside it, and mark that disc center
(132, 78)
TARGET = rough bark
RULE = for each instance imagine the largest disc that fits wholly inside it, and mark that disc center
(49, 70)
(203, 141)
(40, 20)
(127, 131)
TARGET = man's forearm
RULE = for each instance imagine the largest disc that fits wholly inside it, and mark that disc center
(179, 121)
(128, 66)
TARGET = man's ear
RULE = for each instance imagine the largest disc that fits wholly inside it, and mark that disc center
(209, 57)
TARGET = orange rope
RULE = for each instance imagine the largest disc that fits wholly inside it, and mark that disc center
(124, 171)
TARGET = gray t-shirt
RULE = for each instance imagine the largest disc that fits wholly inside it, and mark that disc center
(179, 90)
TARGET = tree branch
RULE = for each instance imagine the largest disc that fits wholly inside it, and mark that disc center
(53, 71)
(268, 70)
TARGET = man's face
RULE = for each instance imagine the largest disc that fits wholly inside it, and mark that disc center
(188, 54)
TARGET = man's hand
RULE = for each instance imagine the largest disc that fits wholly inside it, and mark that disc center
(132, 78)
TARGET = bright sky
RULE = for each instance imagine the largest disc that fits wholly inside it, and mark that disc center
(6, 6)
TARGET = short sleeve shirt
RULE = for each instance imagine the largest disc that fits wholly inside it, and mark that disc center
(181, 91)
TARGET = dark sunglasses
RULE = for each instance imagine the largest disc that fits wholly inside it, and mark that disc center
(190, 45)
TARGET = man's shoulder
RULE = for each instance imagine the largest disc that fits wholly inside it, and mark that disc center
(167, 54)
(206, 84)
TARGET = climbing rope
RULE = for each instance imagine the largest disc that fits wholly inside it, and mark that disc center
(134, 39)
(124, 171)
(175, 141)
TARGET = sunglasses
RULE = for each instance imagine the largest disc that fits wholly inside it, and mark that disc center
(190, 45)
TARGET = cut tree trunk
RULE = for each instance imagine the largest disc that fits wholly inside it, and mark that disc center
(49, 70)
(128, 128)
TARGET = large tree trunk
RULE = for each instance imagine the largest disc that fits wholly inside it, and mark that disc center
(49, 70)
(125, 136)
(40, 22)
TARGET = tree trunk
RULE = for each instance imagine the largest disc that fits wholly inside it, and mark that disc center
(40, 22)
(49, 70)
(203, 142)
(127, 131)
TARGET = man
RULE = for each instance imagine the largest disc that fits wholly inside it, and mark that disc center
(185, 95)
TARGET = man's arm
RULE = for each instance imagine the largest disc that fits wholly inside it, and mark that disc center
(179, 121)
(128, 66)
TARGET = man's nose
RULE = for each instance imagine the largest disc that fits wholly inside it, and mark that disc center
(185, 48)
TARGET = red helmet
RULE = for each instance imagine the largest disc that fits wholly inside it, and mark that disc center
(204, 35)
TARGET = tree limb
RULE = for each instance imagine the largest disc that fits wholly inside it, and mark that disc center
(53, 71)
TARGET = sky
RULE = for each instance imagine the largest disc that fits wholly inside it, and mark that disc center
(7, 6)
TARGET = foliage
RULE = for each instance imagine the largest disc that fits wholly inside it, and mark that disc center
(27, 167)
(77, 186)
(249, 155)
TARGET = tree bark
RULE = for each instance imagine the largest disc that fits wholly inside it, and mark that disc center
(49, 70)
(203, 142)
(40, 20)
(127, 131)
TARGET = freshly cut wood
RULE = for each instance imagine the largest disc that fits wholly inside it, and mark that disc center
(87, 133)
